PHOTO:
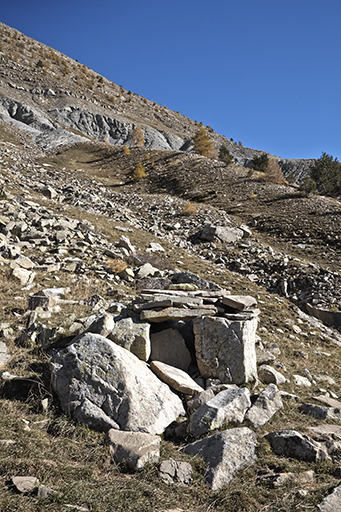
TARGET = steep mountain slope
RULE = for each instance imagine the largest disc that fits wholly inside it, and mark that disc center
(42, 89)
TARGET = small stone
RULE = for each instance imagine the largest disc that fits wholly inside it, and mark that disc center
(301, 381)
(44, 492)
(24, 484)
(269, 375)
(172, 471)
(266, 405)
(135, 449)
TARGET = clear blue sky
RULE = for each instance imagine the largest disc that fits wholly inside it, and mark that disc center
(266, 72)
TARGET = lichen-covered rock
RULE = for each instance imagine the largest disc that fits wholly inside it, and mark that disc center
(225, 349)
(105, 386)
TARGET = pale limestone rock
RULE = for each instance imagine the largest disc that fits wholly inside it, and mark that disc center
(301, 381)
(155, 247)
(133, 336)
(225, 349)
(24, 276)
(239, 302)
(24, 262)
(176, 314)
(331, 402)
(135, 449)
(266, 405)
(269, 375)
(176, 378)
(105, 386)
(103, 325)
(24, 484)
(146, 270)
(225, 453)
(329, 430)
(168, 346)
(5, 355)
(332, 502)
(172, 471)
(126, 244)
(227, 234)
(228, 406)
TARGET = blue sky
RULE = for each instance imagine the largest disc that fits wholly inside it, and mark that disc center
(265, 72)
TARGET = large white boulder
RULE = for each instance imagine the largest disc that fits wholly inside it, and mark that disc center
(105, 386)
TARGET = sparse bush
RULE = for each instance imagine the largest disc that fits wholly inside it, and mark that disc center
(326, 172)
(291, 178)
(189, 209)
(139, 172)
(202, 143)
(307, 185)
(126, 150)
(225, 155)
(39, 64)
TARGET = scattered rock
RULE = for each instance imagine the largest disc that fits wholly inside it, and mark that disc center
(5, 355)
(266, 405)
(269, 375)
(332, 503)
(228, 406)
(132, 335)
(225, 453)
(293, 444)
(135, 449)
(24, 484)
(321, 413)
(301, 381)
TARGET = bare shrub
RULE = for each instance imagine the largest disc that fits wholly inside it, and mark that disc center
(139, 172)
(189, 209)
(273, 172)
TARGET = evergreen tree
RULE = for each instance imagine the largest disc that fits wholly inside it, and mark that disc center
(202, 143)
(260, 163)
(225, 155)
(326, 172)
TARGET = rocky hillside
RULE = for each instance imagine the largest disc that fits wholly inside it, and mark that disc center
(170, 343)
